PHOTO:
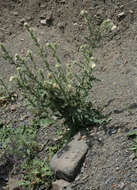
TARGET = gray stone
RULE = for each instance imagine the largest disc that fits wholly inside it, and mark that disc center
(61, 185)
(46, 19)
(43, 21)
(66, 163)
(121, 14)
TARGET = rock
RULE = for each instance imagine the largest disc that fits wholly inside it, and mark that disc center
(130, 11)
(43, 21)
(43, 6)
(61, 185)
(47, 20)
(121, 16)
(66, 162)
(15, 13)
(29, 18)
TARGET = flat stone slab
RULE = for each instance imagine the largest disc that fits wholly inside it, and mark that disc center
(67, 162)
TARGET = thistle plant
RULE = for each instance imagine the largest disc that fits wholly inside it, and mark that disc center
(6, 94)
(96, 32)
(61, 90)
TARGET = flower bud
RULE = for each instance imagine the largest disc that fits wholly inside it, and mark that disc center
(55, 85)
(49, 75)
(17, 57)
(12, 78)
(48, 44)
(57, 65)
(113, 27)
(18, 68)
(83, 13)
(29, 53)
(69, 87)
(26, 24)
(93, 65)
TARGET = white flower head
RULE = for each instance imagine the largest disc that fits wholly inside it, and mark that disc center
(92, 58)
(55, 85)
(26, 24)
(69, 87)
(92, 65)
(83, 13)
(19, 69)
(113, 27)
(57, 65)
(49, 75)
(16, 57)
(12, 78)
(48, 44)
(29, 53)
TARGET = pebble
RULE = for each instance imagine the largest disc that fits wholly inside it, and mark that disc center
(121, 14)
(121, 186)
(15, 13)
(130, 11)
(43, 21)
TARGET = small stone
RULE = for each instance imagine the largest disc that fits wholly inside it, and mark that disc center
(130, 11)
(46, 19)
(43, 21)
(13, 108)
(62, 1)
(67, 162)
(61, 185)
(15, 13)
(121, 186)
(121, 14)
(43, 6)
(117, 168)
(29, 18)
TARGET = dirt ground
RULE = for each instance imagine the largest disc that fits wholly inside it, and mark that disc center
(109, 164)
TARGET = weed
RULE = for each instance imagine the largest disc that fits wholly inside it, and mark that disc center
(6, 94)
(57, 90)
(133, 134)
(96, 32)
(37, 173)
(20, 147)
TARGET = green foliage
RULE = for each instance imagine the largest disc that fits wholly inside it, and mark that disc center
(133, 134)
(20, 142)
(96, 32)
(38, 173)
(61, 90)
(20, 147)
(6, 94)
